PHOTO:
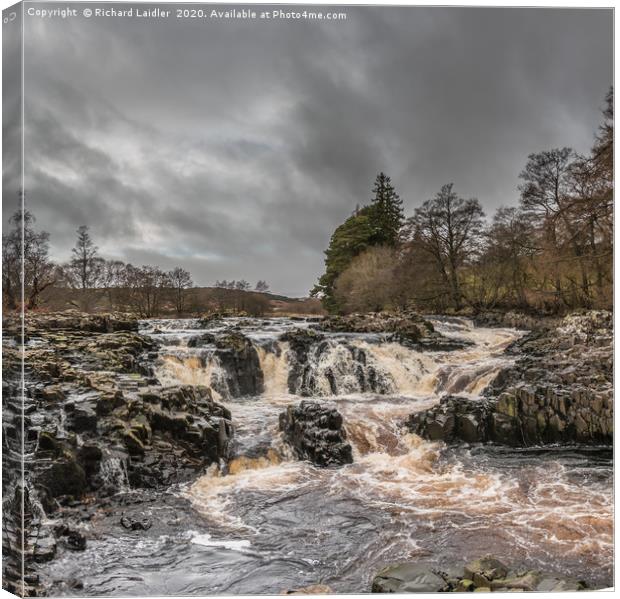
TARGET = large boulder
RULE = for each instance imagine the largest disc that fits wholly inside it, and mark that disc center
(316, 433)
(65, 476)
(408, 577)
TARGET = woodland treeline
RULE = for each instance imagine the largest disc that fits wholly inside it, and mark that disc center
(95, 281)
(551, 253)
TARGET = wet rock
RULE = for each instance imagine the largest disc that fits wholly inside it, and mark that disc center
(75, 540)
(52, 394)
(408, 324)
(485, 570)
(313, 589)
(483, 575)
(549, 584)
(201, 340)
(72, 320)
(514, 320)
(301, 340)
(136, 524)
(108, 402)
(405, 327)
(64, 477)
(239, 359)
(189, 414)
(408, 577)
(44, 547)
(211, 318)
(313, 370)
(316, 433)
(89, 457)
(48, 442)
(133, 443)
(82, 417)
(454, 419)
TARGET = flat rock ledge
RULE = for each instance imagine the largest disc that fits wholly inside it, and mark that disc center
(406, 327)
(484, 574)
(316, 433)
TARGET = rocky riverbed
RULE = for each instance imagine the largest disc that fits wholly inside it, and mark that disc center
(178, 457)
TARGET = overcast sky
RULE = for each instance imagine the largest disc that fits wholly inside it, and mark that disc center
(235, 148)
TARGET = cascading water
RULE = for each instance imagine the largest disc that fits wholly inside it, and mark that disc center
(269, 522)
(113, 473)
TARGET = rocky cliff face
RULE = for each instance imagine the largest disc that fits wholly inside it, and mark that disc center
(558, 391)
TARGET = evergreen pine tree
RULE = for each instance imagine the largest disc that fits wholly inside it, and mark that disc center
(388, 212)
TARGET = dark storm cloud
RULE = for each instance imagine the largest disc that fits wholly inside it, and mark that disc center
(235, 148)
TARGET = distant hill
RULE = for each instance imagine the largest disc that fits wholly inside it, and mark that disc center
(198, 300)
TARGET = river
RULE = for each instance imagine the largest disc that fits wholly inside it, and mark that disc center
(269, 522)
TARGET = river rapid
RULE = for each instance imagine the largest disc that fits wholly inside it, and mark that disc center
(268, 522)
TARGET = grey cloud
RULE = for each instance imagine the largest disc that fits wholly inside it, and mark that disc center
(235, 148)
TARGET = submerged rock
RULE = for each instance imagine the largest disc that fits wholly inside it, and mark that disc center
(316, 433)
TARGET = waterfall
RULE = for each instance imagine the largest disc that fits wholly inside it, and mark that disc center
(194, 369)
(330, 365)
(274, 362)
(113, 472)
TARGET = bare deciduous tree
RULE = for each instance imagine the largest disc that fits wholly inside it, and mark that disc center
(449, 229)
(180, 281)
(25, 251)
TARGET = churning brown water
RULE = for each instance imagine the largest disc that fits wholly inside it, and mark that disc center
(270, 522)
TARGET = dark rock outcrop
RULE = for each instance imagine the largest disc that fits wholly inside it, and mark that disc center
(201, 340)
(456, 419)
(316, 433)
(96, 424)
(407, 324)
(239, 359)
